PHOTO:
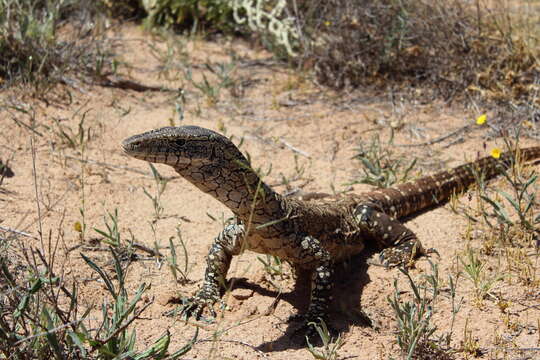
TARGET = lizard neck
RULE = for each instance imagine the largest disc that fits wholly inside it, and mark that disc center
(238, 187)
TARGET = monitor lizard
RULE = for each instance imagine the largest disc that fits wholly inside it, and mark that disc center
(312, 235)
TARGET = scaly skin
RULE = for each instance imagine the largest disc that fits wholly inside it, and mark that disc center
(311, 235)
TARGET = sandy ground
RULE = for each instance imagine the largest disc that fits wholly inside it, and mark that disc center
(308, 136)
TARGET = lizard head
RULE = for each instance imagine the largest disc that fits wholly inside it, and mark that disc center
(207, 159)
(184, 146)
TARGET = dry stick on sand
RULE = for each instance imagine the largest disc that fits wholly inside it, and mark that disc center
(18, 232)
(294, 149)
(438, 139)
(126, 84)
(235, 342)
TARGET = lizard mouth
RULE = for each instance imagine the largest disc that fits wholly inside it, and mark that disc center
(152, 152)
(128, 147)
(125, 147)
(132, 148)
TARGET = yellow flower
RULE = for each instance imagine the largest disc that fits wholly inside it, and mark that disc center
(496, 153)
(77, 226)
(481, 119)
(327, 23)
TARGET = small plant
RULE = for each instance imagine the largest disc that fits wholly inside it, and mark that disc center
(414, 317)
(83, 137)
(380, 167)
(112, 235)
(80, 226)
(215, 14)
(522, 200)
(212, 91)
(330, 346)
(506, 219)
(73, 139)
(172, 260)
(36, 52)
(299, 172)
(271, 19)
(476, 272)
(161, 185)
(113, 338)
(510, 215)
(456, 306)
(43, 318)
(30, 325)
(469, 344)
(522, 266)
(274, 267)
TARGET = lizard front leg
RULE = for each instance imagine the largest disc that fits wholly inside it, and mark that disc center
(311, 251)
(226, 244)
(401, 246)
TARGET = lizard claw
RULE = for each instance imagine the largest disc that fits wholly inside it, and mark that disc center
(403, 254)
(195, 305)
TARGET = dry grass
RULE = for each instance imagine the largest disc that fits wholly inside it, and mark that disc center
(44, 43)
(449, 49)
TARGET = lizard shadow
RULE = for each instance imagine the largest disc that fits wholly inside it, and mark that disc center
(350, 278)
(5, 170)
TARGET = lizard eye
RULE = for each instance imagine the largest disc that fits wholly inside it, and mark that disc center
(180, 142)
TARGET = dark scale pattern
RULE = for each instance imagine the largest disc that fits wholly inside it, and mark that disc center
(321, 288)
(400, 245)
(309, 235)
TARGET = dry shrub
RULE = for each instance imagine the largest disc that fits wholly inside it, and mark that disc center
(43, 43)
(447, 45)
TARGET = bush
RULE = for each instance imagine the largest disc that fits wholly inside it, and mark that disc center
(195, 14)
(44, 42)
(446, 45)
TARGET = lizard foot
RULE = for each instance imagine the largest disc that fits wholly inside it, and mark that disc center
(194, 306)
(402, 254)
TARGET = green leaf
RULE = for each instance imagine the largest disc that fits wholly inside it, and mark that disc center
(103, 275)
(110, 240)
(118, 269)
(52, 339)
(499, 209)
(78, 339)
(158, 349)
(36, 286)
(132, 303)
(370, 166)
(510, 200)
(186, 347)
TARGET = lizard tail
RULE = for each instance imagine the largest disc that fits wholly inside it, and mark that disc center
(409, 198)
